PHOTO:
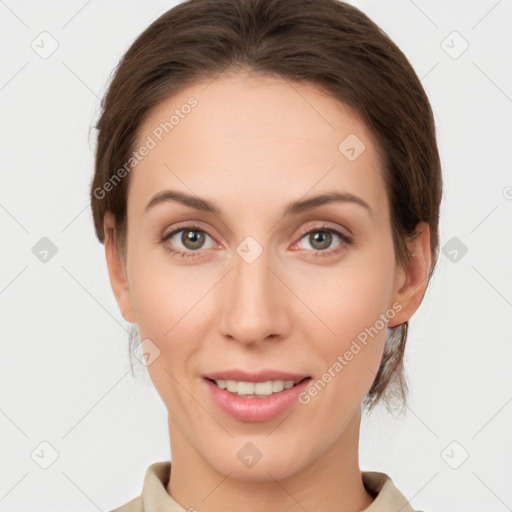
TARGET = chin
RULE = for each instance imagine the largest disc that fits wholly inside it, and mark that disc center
(267, 464)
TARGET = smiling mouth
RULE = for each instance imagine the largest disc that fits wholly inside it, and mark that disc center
(256, 389)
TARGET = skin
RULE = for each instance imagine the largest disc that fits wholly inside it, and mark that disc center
(252, 145)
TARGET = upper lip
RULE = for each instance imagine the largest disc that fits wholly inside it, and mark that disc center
(260, 376)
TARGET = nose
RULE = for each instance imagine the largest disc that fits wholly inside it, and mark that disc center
(255, 304)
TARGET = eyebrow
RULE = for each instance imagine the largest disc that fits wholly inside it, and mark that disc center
(293, 208)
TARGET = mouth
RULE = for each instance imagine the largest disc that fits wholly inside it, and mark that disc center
(260, 389)
(258, 397)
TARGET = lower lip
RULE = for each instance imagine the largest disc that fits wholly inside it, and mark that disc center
(254, 410)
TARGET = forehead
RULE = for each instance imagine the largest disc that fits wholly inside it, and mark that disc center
(241, 138)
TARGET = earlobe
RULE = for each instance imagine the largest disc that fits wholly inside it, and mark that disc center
(116, 270)
(411, 282)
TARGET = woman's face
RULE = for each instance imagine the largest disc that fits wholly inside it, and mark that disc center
(259, 284)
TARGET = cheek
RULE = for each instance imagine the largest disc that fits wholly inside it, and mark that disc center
(172, 305)
(351, 296)
(348, 359)
(168, 311)
(356, 332)
(352, 312)
(164, 294)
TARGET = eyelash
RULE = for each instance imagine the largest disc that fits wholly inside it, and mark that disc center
(346, 240)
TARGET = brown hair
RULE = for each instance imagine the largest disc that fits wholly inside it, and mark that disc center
(326, 43)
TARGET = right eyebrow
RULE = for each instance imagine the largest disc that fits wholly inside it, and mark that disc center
(185, 199)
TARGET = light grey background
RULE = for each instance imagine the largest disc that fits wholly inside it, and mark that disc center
(64, 371)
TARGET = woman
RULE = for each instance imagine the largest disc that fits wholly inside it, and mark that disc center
(267, 187)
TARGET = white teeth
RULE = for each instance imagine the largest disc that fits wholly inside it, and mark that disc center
(255, 388)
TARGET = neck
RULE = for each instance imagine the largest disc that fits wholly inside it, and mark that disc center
(330, 482)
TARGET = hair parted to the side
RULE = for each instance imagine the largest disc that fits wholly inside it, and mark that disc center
(326, 43)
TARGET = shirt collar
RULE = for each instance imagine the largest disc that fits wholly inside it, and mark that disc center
(155, 498)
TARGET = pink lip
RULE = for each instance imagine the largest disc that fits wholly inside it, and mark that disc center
(255, 410)
(260, 376)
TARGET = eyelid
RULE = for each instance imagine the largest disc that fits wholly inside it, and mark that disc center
(319, 225)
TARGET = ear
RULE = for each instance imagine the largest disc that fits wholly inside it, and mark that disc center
(117, 270)
(411, 281)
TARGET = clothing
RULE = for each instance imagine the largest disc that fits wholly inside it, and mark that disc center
(154, 497)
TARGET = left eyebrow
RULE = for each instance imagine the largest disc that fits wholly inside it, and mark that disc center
(293, 208)
(305, 205)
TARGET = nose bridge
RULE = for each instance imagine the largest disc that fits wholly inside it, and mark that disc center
(253, 307)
